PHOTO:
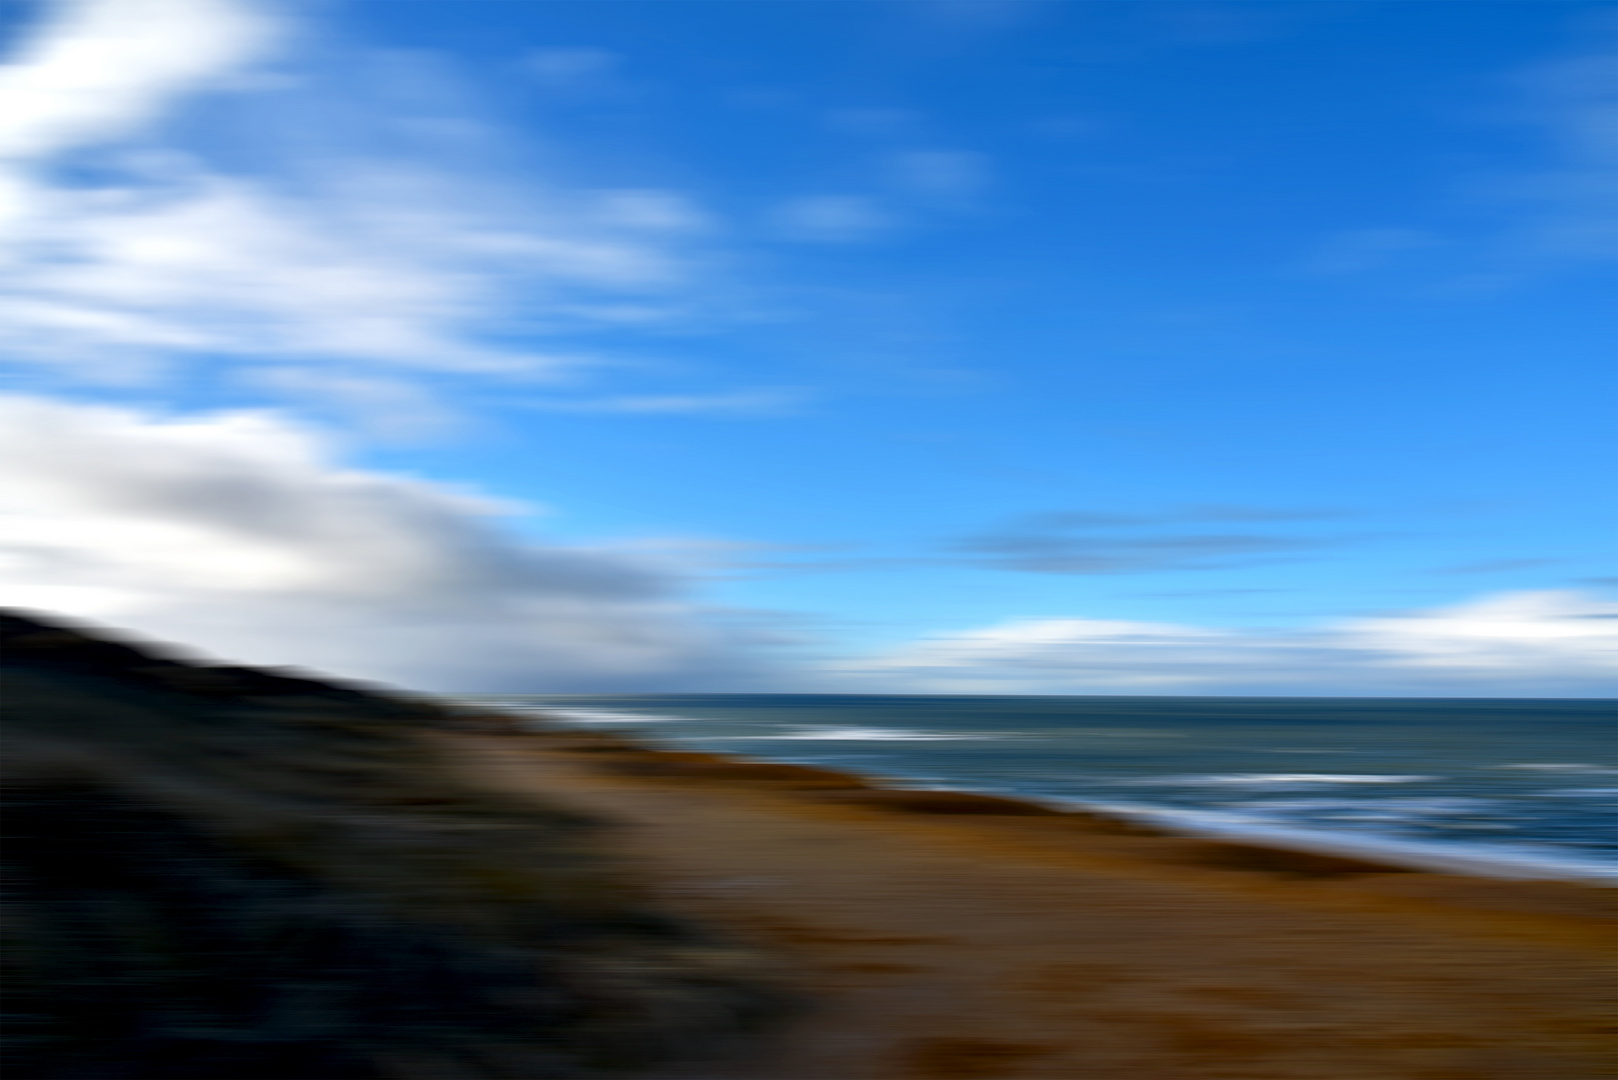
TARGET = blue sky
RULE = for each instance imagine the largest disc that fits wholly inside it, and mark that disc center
(1037, 346)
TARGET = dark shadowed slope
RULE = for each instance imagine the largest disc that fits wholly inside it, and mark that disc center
(220, 872)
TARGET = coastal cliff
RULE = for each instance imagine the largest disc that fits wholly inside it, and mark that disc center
(215, 871)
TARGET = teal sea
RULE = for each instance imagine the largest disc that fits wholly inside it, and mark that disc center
(1526, 785)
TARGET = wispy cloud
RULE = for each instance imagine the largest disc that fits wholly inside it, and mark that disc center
(1087, 542)
(100, 70)
(947, 179)
(211, 188)
(833, 219)
(364, 224)
(1496, 566)
(1556, 214)
(913, 184)
(1058, 553)
(1514, 223)
(1359, 250)
(576, 70)
(1550, 643)
(1565, 210)
(763, 402)
(1242, 512)
(377, 404)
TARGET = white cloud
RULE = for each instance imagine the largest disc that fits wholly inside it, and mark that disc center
(1551, 643)
(240, 532)
(243, 533)
(739, 403)
(1530, 634)
(379, 405)
(100, 69)
(653, 210)
(1558, 213)
(575, 69)
(359, 215)
(831, 218)
(1357, 250)
(1568, 208)
(948, 178)
(1547, 208)
(937, 181)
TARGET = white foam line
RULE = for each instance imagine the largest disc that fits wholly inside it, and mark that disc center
(539, 715)
(1285, 779)
(602, 716)
(865, 734)
(1480, 860)
(1496, 861)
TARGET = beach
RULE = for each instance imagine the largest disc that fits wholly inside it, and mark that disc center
(1503, 787)
(259, 873)
(940, 936)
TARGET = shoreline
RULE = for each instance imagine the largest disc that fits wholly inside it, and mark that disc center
(950, 934)
(559, 901)
(1483, 860)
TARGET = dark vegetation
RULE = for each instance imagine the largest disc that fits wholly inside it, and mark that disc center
(220, 872)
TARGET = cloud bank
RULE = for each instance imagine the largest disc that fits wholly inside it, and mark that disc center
(241, 533)
(244, 533)
(1550, 643)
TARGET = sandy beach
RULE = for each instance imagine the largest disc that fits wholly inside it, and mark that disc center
(941, 937)
(222, 872)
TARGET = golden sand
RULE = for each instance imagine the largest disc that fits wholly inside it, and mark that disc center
(940, 937)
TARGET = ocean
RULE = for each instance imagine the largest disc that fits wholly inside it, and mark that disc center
(1514, 787)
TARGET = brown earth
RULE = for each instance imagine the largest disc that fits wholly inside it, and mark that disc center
(958, 937)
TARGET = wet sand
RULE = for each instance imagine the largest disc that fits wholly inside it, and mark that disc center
(936, 942)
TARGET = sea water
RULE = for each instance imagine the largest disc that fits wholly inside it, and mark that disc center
(1511, 786)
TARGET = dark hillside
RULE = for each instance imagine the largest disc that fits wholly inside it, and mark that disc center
(217, 871)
